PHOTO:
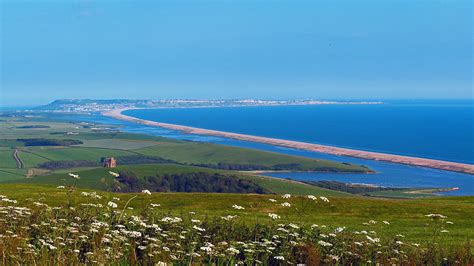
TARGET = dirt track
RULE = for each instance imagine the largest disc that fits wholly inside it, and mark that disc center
(16, 156)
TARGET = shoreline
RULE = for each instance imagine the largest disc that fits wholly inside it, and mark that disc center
(400, 159)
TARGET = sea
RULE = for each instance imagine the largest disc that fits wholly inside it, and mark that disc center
(440, 130)
(429, 129)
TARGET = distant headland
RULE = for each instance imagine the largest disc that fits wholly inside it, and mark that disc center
(408, 160)
(94, 106)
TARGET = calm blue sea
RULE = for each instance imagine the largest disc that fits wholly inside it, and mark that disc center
(431, 129)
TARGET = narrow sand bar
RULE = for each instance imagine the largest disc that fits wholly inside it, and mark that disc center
(444, 165)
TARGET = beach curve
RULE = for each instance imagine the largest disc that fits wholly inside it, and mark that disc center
(377, 156)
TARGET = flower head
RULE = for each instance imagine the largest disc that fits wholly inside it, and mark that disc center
(114, 174)
(74, 176)
(146, 191)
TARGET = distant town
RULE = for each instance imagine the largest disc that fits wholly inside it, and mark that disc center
(94, 106)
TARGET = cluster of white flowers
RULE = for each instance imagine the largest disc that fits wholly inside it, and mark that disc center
(228, 217)
(436, 216)
(324, 199)
(146, 191)
(311, 197)
(93, 195)
(114, 174)
(198, 228)
(274, 216)
(324, 243)
(102, 235)
(112, 204)
(74, 176)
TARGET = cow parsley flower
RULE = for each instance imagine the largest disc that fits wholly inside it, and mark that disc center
(311, 197)
(74, 176)
(324, 199)
(274, 216)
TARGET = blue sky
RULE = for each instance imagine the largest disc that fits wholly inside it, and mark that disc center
(235, 49)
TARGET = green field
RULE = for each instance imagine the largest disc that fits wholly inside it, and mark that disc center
(103, 141)
(6, 158)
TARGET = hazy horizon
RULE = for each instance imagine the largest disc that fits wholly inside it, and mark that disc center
(223, 49)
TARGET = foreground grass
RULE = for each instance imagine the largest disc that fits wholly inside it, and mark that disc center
(406, 217)
(46, 225)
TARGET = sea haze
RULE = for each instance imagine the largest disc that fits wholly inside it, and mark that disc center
(430, 129)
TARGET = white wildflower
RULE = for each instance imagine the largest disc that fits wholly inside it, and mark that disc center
(324, 243)
(114, 174)
(74, 176)
(436, 215)
(324, 199)
(274, 216)
(146, 191)
(233, 251)
(311, 197)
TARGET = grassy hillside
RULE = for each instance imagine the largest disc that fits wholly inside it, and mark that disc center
(100, 178)
(406, 217)
(206, 153)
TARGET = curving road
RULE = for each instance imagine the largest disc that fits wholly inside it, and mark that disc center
(16, 156)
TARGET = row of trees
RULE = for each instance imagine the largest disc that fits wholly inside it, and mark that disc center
(49, 142)
(187, 182)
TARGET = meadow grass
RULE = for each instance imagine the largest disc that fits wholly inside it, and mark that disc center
(12, 174)
(405, 216)
(76, 226)
(30, 159)
(6, 159)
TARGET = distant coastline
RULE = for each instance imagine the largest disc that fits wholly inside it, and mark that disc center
(408, 160)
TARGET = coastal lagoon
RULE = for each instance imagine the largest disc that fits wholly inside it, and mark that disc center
(388, 174)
